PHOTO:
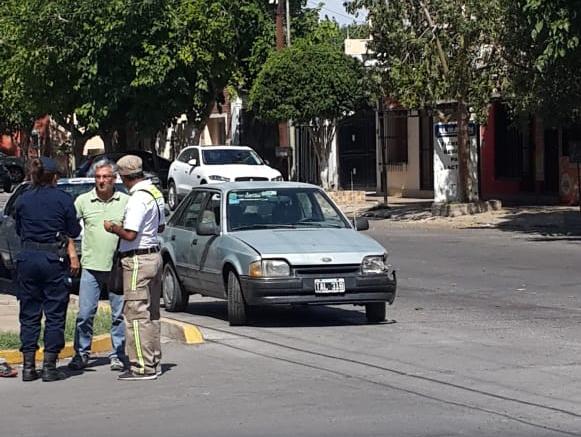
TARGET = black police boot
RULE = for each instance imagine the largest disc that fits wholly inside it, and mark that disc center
(49, 371)
(29, 372)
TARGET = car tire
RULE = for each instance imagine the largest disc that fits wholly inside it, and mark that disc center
(172, 196)
(174, 298)
(16, 174)
(237, 308)
(375, 312)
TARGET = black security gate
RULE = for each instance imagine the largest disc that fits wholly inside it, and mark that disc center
(357, 151)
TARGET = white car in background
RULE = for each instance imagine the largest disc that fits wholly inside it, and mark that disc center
(199, 165)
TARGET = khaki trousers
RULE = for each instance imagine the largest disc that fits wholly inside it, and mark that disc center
(142, 292)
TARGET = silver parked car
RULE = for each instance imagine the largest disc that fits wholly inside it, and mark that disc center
(270, 243)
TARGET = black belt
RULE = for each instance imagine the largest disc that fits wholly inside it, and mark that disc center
(147, 251)
(33, 245)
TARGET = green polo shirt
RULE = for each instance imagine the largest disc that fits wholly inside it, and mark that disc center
(99, 245)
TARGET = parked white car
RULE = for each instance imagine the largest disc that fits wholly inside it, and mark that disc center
(199, 165)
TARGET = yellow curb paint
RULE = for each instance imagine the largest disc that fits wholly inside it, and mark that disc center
(101, 343)
(191, 333)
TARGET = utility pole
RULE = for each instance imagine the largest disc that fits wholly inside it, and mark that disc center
(283, 131)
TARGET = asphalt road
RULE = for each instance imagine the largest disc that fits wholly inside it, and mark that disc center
(483, 340)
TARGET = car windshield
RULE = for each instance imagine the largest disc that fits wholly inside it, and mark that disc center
(231, 156)
(281, 208)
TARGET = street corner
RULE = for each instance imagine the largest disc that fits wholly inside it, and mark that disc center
(181, 331)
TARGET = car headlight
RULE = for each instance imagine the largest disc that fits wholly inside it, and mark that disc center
(278, 179)
(269, 268)
(373, 265)
(219, 178)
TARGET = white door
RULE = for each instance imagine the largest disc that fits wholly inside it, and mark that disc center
(180, 170)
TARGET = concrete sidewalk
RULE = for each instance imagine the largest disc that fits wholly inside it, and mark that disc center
(9, 313)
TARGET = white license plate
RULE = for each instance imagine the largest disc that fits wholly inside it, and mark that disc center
(329, 286)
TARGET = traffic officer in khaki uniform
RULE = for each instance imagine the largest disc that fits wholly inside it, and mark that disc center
(141, 261)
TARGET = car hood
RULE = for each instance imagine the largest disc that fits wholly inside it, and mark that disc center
(241, 170)
(310, 246)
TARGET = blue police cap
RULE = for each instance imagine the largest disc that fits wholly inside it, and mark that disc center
(49, 165)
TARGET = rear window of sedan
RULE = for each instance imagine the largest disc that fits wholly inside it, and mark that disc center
(282, 208)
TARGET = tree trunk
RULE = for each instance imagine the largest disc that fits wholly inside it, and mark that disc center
(324, 172)
(464, 183)
(107, 137)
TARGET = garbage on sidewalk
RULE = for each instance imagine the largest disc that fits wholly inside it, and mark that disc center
(6, 371)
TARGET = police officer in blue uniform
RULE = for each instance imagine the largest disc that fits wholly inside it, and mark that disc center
(46, 221)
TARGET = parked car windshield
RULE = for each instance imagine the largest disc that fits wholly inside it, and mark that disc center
(231, 156)
(282, 208)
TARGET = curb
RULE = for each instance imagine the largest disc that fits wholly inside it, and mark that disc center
(178, 331)
(181, 331)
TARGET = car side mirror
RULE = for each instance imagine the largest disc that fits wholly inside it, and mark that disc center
(193, 162)
(361, 223)
(207, 229)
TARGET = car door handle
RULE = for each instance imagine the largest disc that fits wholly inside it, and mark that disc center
(195, 242)
(173, 238)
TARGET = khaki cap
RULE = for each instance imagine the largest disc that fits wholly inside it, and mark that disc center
(130, 164)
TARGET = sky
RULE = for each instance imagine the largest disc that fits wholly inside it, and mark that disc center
(335, 8)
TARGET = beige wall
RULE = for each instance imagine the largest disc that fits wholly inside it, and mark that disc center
(405, 179)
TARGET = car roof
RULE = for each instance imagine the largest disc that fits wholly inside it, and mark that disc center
(120, 153)
(223, 146)
(256, 185)
(77, 181)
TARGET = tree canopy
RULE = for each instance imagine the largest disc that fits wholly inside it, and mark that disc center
(430, 52)
(114, 63)
(541, 47)
(314, 84)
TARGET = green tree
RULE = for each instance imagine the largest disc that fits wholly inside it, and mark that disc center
(433, 51)
(314, 84)
(115, 64)
(541, 41)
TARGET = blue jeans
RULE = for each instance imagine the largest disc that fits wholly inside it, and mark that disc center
(92, 282)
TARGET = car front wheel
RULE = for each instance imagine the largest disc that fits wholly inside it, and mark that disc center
(375, 312)
(172, 196)
(174, 298)
(237, 309)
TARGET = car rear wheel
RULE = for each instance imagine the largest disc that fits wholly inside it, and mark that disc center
(174, 298)
(172, 196)
(237, 309)
(375, 312)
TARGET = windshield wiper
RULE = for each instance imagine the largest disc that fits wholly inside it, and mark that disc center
(309, 224)
(263, 226)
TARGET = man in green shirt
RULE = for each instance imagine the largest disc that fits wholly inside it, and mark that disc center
(98, 249)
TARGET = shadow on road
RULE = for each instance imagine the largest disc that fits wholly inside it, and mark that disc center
(287, 316)
(543, 224)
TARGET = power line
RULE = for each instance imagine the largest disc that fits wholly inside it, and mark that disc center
(324, 7)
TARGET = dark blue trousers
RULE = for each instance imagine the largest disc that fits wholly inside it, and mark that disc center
(42, 288)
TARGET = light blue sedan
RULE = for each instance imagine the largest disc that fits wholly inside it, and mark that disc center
(271, 243)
